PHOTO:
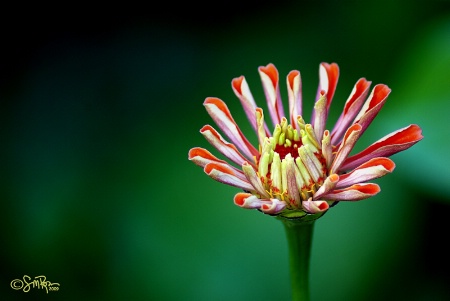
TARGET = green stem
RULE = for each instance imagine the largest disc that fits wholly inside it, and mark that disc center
(299, 237)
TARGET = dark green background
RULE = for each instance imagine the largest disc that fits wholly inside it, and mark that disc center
(98, 114)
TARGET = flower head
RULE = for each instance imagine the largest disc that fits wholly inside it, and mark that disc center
(299, 168)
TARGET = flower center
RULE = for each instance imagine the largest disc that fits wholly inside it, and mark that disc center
(283, 150)
(292, 166)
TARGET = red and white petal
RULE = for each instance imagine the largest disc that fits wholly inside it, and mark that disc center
(353, 193)
(327, 148)
(372, 106)
(274, 207)
(226, 175)
(372, 169)
(219, 112)
(328, 78)
(328, 75)
(253, 178)
(225, 148)
(269, 79)
(348, 142)
(249, 201)
(294, 87)
(389, 145)
(242, 91)
(313, 207)
(320, 111)
(329, 184)
(261, 128)
(201, 157)
(351, 109)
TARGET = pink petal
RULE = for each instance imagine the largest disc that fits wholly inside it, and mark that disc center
(353, 193)
(348, 142)
(249, 201)
(294, 84)
(219, 112)
(269, 78)
(226, 175)
(313, 207)
(329, 184)
(389, 145)
(320, 111)
(351, 109)
(254, 179)
(227, 149)
(372, 106)
(201, 157)
(242, 91)
(328, 75)
(372, 169)
(275, 207)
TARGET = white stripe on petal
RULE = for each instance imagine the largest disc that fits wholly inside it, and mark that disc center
(226, 175)
(353, 193)
(389, 145)
(351, 109)
(348, 142)
(329, 184)
(275, 207)
(269, 79)
(328, 78)
(253, 178)
(372, 169)
(294, 87)
(219, 112)
(372, 106)
(242, 91)
(227, 149)
(249, 201)
(313, 207)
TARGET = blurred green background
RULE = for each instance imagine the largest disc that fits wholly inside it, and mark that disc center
(98, 114)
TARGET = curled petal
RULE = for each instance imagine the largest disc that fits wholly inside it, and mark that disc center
(219, 112)
(389, 145)
(372, 169)
(261, 129)
(320, 111)
(294, 84)
(226, 175)
(328, 75)
(242, 91)
(327, 148)
(269, 79)
(201, 157)
(225, 148)
(249, 201)
(353, 193)
(329, 183)
(351, 109)
(253, 178)
(275, 207)
(372, 106)
(348, 142)
(313, 207)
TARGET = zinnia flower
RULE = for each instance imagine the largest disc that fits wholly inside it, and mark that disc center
(300, 168)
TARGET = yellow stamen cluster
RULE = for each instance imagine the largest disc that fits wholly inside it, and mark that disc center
(292, 165)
